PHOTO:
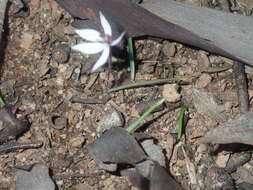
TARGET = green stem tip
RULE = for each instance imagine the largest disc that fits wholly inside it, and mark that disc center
(181, 122)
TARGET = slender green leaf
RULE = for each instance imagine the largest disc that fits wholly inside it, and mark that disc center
(181, 122)
(1, 101)
(133, 126)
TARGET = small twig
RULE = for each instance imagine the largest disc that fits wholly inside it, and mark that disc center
(103, 100)
(73, 176)
(145, 83)
(8, 147)
(241, 85)
(150, 61)
(91, 81)
(190, 168)
(217, 69)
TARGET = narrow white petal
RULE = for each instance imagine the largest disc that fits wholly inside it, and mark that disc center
(89, 34)
(90, 48)
(102, 59)
(105, 24)
(115, 42)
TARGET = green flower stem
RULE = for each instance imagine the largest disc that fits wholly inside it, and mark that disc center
(130, 51)
(133, 126)
(181, 122)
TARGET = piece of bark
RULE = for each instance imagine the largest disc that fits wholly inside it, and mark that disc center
(237, 160)
(230, 32)
(137, 21)
(10, 126)
(8, 147)
(206, 105)
(241, 86)
(239, 130)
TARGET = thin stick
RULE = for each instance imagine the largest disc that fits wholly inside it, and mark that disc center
(241, 85)
(145, 83)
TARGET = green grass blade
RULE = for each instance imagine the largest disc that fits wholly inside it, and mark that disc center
(130, 51)
(133, 126)
(144, 83)
(181, 122)
(2, 101)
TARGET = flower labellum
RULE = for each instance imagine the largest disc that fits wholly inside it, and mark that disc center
(98, 42)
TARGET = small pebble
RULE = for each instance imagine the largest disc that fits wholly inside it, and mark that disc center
(169, 49)
(61, 53)
(58, 122)
(111, 167)
(203, 59)
(170, 92)
(111, 119)
(144, 168)
(154, 151)
(237, 160)
(222, 159)
(37, 178)
(76, 141)
(243, 175)
(203, 81)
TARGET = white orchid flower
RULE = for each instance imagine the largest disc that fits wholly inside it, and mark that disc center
(98, 42)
